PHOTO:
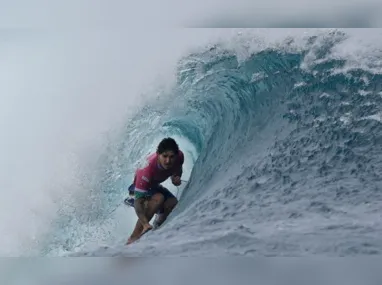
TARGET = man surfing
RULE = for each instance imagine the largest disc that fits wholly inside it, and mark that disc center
(149, 196)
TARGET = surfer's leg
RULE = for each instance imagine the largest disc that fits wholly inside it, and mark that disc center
(170, 201)
(139, 206)
(168, 206)
(152, 206)
(136, 232)
(142, 223)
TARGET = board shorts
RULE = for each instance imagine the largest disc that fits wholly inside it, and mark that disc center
(157, 189)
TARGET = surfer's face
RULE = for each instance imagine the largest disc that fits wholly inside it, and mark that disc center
(167, 159)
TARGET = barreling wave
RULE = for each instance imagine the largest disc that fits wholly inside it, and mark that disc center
(285, 147)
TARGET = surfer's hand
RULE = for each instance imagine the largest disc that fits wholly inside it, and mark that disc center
(176, 180)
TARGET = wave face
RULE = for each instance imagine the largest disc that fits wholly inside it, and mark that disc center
(284, 150)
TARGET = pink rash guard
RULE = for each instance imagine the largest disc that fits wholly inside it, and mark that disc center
(153, 174)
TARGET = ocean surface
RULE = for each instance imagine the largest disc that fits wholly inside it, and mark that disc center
(282, 135)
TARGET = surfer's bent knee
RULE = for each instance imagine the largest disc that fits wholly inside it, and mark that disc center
(139, 206)
(157, 198)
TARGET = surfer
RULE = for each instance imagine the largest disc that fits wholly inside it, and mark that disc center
(149, 196)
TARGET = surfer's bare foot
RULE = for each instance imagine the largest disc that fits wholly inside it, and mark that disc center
(131, 240)
(146, 228)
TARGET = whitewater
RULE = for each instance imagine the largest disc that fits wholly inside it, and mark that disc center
(281, 131)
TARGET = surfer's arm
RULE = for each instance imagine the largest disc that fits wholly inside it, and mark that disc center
(176, 176)
(178, 172)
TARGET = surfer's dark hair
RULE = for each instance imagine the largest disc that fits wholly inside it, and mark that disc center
(168, 144)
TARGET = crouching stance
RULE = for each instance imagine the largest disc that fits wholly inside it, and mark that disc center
(149, 196)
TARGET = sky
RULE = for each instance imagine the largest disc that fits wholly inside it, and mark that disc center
(117, 14)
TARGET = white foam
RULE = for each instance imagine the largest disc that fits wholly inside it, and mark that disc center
(376, 117)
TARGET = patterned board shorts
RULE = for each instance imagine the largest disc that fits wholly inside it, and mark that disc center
(130, 200)
(158, 189)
